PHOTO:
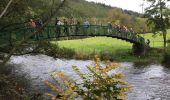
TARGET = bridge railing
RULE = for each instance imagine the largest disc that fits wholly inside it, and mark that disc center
(48, 32)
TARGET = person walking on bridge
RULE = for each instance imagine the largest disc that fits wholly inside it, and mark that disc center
(66, 31)
(109, 30)
(86, 25)
(32, 26)
(71, 23)
(58, 28)
(39, 25)
(77, 29)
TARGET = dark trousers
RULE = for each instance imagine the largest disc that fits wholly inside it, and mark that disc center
(58, 31)
(66, 31)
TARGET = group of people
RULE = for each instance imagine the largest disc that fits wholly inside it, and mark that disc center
(120, 28)
(68, 26)
(125, 29)
(65, 26)
(35, 23)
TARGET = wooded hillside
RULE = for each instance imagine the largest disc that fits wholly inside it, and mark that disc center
(20, 11)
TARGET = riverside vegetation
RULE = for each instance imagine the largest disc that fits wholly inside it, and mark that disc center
(96, 85)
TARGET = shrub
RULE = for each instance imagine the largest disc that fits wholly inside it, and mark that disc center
(97, 85)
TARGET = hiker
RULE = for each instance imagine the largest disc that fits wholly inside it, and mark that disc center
(86, 25)
(39, 25)
(58, 27)
(109, 30)
(71, 23)
(32, 26)
(77, 29)
(124, 29)
(66, 31)
(131, 30)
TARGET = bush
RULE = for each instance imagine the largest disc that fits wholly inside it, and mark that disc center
(97, 85)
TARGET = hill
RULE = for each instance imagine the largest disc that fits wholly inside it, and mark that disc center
(82, 8)
(98, 13)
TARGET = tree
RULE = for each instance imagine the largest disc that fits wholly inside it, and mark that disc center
(51, 14)
(158, 17)
(7, 6)
(18, 12)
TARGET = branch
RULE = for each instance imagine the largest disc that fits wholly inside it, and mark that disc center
(28, 37)
(4, 11)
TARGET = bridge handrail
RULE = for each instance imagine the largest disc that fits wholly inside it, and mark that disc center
(96, 30)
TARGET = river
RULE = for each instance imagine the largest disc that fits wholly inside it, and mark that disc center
(149, 81)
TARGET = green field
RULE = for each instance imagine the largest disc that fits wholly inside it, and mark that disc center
(156, 40)
(97, 44)
(117, 48)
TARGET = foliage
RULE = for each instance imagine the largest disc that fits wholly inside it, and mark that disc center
(118, 16)
(98, 13)
(20, 11)
(82, 8)
(158, 17)
(96, 85)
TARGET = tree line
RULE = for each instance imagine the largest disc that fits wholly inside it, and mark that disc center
(20, 11)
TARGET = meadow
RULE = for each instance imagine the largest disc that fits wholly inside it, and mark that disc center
(116, 47)
(156, 40)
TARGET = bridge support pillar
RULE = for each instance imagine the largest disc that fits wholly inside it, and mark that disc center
(139, 49)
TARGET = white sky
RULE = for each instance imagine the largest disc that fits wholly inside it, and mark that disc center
(134, 5)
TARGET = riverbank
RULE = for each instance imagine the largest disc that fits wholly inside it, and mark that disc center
(107, 49)
(113, 49)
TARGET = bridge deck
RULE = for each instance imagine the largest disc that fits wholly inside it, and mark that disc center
(49, 32)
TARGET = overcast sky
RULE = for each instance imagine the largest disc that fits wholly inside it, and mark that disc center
(134, 5)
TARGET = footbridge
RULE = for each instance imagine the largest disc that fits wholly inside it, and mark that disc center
(12, 38)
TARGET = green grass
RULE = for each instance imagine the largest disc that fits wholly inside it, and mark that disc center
(156, 40)
(95, 44)
(117, 48)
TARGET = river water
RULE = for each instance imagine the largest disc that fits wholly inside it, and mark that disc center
(149, 81)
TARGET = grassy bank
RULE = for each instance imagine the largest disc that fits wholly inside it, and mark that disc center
(156, 40)
(114, 49)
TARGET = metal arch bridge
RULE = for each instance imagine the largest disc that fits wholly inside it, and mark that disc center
(49, 32)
